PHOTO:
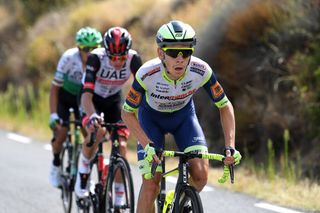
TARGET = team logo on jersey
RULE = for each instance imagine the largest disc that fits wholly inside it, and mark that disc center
(173, 97)
(197, 65)
(76, 77)
(162, 88)
(186, 85)
(134, 97)
(216, 90)
(197, 70)
(157, 69)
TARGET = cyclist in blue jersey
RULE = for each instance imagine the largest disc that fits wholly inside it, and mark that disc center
(65, 89)
(108, 69)
(162, 93)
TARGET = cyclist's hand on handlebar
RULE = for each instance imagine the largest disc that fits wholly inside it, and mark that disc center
(150, 157)
(233, 156)
(150, 153)
(93, 121)
(237, 157)
(54, 120)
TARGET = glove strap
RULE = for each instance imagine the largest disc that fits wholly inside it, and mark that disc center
(232, 150)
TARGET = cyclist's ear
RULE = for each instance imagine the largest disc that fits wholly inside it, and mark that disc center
(160, 53)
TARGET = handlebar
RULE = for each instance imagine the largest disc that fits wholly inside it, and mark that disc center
(228, 170)
(113, 126)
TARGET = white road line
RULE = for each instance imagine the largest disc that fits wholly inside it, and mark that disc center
(18, 138)
(275, 208)
(174, 181)
(47, 147)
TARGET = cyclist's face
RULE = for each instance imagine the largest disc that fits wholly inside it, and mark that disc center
(176, 59)
(84, 56)
(118, 61)
(85, 51)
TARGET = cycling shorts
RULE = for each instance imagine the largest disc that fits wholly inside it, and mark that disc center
(111, 108)
(66, 101)
(182, 124)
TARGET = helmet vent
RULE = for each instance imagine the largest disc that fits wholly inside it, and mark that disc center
(177, 27)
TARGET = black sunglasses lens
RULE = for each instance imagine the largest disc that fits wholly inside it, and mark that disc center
(175, 52)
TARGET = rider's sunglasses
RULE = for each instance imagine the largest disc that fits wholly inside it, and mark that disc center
(87, 49)
(118, 57)
(175, 52)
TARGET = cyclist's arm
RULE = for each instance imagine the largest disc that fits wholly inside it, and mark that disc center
(228, 124)
(129, 109)
(136, 63)
(57, 82)
(133, 125)
(217, 94)
(53, 99)
(87, 104)
(93, 65)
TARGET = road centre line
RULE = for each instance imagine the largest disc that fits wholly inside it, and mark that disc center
(47, 147)
(18, 138)
(275, 208)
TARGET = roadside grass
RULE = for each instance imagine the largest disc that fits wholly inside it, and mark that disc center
(301, 195)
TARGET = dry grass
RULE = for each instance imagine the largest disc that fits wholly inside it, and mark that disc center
(303, 195)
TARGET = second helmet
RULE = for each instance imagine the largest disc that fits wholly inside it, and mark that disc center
(88, 37)
(117, 41)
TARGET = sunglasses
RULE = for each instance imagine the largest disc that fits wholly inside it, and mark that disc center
(118, 57)
(175, 52)
(87, 49)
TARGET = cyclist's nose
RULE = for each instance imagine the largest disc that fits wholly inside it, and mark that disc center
(180, 58)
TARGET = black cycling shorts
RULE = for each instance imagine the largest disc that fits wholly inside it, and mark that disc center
(66, 101)
(110, 106)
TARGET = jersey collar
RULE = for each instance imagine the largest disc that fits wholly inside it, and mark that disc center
(166, 77)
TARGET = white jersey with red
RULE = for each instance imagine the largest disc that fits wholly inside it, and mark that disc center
(102, 79)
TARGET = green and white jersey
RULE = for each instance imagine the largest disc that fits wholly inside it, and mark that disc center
(69, 71)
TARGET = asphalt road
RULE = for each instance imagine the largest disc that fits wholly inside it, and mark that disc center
(24, 185)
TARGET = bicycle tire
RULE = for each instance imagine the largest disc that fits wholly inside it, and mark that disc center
(121, 165)
(187, 201)
(66, 178)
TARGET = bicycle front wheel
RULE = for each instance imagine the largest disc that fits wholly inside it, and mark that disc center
(187, 201)
(66, 177)
(120, 173)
